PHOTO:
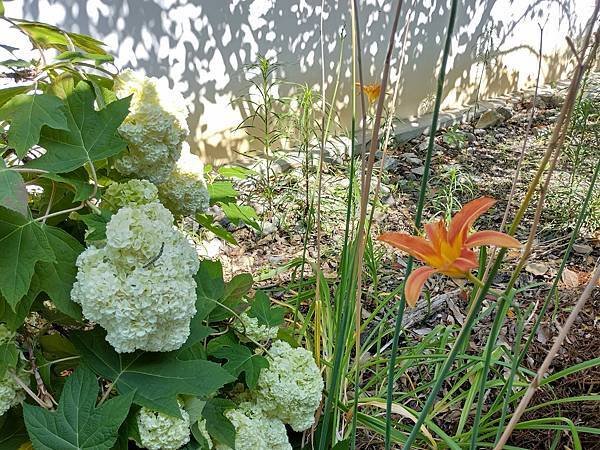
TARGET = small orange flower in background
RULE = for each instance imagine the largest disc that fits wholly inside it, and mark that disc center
(372, 90)
(447, 249)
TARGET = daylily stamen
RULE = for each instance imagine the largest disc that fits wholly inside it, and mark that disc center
(448, 248)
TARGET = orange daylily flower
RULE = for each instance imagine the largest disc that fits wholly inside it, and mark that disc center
(372, 90)
(448, 248)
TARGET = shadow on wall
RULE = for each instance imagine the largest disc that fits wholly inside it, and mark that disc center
(202, 46)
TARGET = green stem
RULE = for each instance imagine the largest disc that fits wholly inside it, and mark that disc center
(418, 217)
(460, 341)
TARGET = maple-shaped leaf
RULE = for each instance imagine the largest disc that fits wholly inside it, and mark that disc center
(77, 423)
(23, 243)
(240, 359)
(56, 278)
(27, 115)
(91, 135)
(13, 194)
(270, 316)
(156, 378)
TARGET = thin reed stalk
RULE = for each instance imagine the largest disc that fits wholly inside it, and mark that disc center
(364, 199)
(418, 218)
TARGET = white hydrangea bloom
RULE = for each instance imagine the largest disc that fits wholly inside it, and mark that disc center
(249, 326)
(255, 431)
(139, 287)
(184, 193)
(204, 432)
(291, 387)
(159, 431)
(11, 393)
(154, 129)
(132, 192)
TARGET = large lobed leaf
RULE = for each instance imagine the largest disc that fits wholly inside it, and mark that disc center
(31, 249)
(91, 135)
(23, 244)
(27, 115)
(241, 359)
(77, 423)
(156, 378)
(13, 194)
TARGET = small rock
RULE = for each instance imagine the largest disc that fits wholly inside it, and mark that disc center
(389, 200)
(270, 227)
(504, 112)
(436, 147)
(469, 136)
(489, 119)
(209, 249)
(479, 132)
(583, 249)
(275, 260)
(418, 170)
(391, 163)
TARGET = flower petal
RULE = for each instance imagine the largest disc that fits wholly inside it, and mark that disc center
(495, 238)
(437, 233)
(465, 265)
(413, 245)
(415, 282)
(463, 220)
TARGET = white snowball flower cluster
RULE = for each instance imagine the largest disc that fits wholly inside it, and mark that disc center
(11, 393)
(132, 192)
(249, 327)
(291, 387)
(255, 431)
(139, 287)
(159, 431)
(184, 192)
(154, 129)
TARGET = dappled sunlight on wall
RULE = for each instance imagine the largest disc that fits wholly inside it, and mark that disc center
(202, 47)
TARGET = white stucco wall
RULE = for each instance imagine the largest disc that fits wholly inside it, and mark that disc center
(203, 45)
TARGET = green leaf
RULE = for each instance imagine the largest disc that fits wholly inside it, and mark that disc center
(208, 222)
(91, 135)
(210, 288)
(9, 355)
(241, 213)
(80, 185)
(221, 191)
(217, 425)
(241, 360)
(1, 8)
(74, 56)
(56, 279)
(232, 298)
(27, 115)
(23, 244)
(15, 318)
(261, 308)
(156, 378)
(12, 430)
(235, 172)
(8, 93)
(13, 194)
(96, 224)
(48, 36)
(77, 423)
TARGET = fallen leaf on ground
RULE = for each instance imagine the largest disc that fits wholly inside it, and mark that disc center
(570, 278)
(537, 269)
